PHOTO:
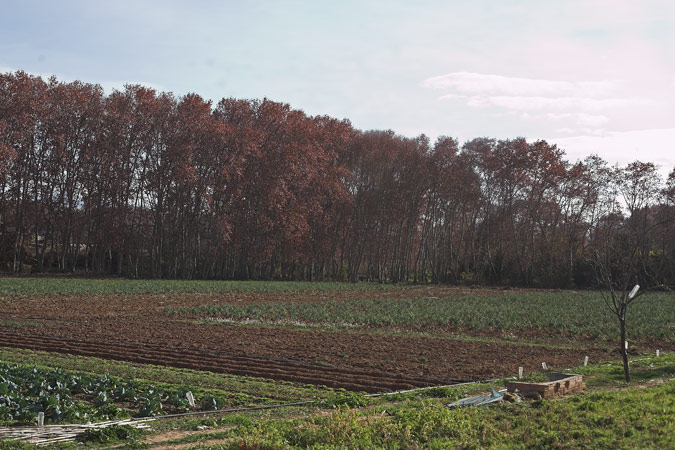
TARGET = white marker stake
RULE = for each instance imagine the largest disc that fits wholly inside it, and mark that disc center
(585, 361)
(625, 344)
(657, 353)
(634, 291)
(190, 399)
(520, 372)
(543, 366)
(41, 419)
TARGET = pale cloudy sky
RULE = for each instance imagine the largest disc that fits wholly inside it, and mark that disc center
(593, 76)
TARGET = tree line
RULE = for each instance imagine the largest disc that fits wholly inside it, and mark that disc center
(140, 183)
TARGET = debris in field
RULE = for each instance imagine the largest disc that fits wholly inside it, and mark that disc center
(51, 434)
(479, 400)
(512, 397)
(190, 398)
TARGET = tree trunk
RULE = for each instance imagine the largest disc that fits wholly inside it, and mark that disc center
(624, 349)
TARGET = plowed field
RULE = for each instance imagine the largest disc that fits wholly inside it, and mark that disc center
(135, 328)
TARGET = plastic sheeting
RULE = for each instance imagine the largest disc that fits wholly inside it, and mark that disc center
(479, 400)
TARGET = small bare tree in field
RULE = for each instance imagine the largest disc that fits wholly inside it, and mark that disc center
(623, 256)
(620, 295)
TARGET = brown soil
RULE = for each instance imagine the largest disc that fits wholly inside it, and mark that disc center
(134, 328)
(354, 361)
(162, 441)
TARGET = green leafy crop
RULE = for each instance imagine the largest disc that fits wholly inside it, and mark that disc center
(75, 397)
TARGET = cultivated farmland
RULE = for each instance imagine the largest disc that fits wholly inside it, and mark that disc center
(362, 337)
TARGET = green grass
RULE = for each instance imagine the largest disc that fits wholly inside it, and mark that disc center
(625, 418)
(112, 434)
(571, 313)
(643, 369)
(84, 286)
(15, 445)
(635, 418)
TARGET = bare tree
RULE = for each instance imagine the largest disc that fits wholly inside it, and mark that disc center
(623, 246)
(618, 298)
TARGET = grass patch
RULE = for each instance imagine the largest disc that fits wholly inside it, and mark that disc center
(111, 434)
(418, 419)
(635, 418)
(643, 369)
(15, 445)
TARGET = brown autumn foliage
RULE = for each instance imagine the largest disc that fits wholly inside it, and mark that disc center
(140, 183)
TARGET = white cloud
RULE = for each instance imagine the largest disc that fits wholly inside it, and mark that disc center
(581, 107)
(623, 147)
(526, 94)
(486, 84)
(452, 97)
(554, 103)
(591, 120)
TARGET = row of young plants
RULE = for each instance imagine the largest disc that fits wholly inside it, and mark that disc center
(84, 286)
(79, 397)
(235, 390)
(570, 313)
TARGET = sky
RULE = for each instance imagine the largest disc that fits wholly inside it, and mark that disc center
(592, 76)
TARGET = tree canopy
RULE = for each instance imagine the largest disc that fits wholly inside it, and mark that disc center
(141, 183)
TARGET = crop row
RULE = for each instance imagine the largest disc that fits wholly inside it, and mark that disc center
(76, 397)
(83, 286)
(567, 313)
